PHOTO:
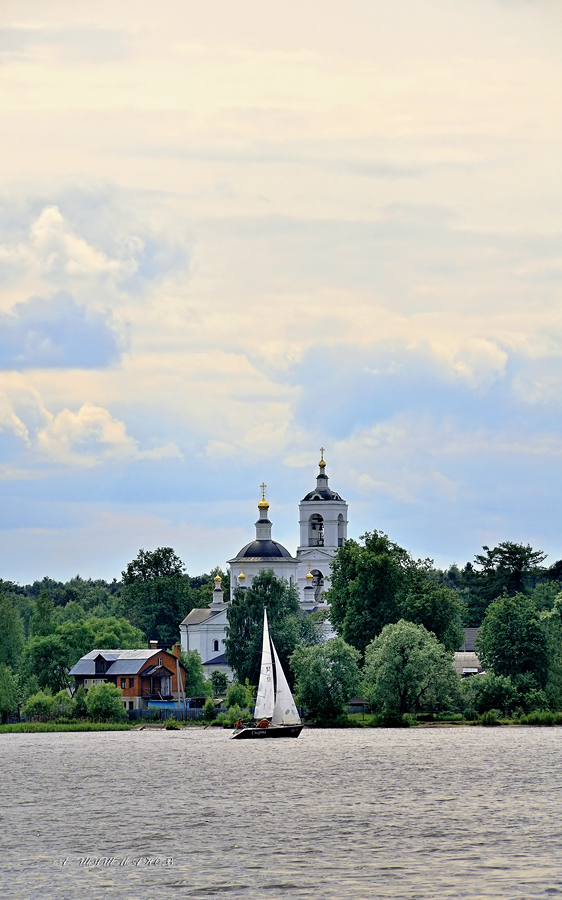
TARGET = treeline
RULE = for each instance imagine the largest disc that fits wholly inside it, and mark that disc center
(45, 627)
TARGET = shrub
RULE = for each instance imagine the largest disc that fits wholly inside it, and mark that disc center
(491, 717)
(171, 724)
(470, 715)
(40, 706)
(209, 712)
(104, 703)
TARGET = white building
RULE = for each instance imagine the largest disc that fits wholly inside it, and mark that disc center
(323, 528)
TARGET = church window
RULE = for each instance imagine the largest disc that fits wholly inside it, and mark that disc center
(341, 530)
(318, 583)
(215, 645)
(316, 531)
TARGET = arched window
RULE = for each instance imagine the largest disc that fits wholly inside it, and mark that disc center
(318, 583)
(215, 646)
(316, 531)
(341, 530)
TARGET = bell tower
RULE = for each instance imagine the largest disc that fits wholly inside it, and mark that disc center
(323, 529)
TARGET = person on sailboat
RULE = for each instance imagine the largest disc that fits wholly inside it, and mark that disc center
(240, 723)
(263, 724)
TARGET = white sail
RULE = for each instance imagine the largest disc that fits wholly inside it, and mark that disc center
(285, 711)
(265, 699)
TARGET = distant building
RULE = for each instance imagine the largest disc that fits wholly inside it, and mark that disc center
(465, 660)
(323, 529)
(142, 675)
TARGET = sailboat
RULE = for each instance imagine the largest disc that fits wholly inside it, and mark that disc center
(274, 702)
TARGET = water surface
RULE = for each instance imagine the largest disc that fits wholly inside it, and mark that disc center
(421, 813)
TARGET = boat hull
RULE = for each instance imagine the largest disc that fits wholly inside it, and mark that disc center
(274, 731)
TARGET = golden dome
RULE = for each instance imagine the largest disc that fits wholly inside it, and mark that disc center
(263, 504)
(322, 464)
(218, 579)
(241, 577)
(309, 575)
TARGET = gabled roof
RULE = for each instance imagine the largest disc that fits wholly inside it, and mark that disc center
(196, 616)
(122, 662)
(216, 660)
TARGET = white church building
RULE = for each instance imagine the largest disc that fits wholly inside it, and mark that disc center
(323, 528)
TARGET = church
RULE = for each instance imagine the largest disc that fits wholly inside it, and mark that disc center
(323, 528)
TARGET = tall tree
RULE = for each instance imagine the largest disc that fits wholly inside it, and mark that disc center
(365, 587)
(245, 620)
(512, 640)
(44, 619)
(8, 693)
(156, 593)
(11, 633)
(378, 583)
(327, 677)
(407, 669)
(509, 568)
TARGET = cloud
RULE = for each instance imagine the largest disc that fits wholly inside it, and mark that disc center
(56, 332)
(92, 436)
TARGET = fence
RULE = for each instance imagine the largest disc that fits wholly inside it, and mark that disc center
(160, 715)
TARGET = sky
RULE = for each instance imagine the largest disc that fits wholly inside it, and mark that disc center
(234, 233)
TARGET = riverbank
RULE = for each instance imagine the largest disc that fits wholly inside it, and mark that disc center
(47, 727)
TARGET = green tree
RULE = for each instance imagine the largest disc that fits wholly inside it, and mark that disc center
(407, 669)
(327, 676)
(209, 711)
(39, 706)
(64, 704)
(104, 703)
(8, 693)
(512, 641)
(157, 593)
(243, 642)
(489, 691)
(47, 659)
(44, 619)
(365, 587)
(239, 695)
(436, 607)
(11, 633)
(80, 707)
(509, 568)
(196, 684)
(219, 682)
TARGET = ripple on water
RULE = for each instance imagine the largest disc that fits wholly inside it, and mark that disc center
(469, 813)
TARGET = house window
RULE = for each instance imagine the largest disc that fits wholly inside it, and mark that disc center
(131, 682)
(131, 704)
(85, 683)
(160, 660)
(215, 645)
(123, 684)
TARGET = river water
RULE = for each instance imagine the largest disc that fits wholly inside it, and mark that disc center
(145, 815)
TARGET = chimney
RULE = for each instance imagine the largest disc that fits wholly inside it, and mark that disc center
(154, 645)
(177, 650)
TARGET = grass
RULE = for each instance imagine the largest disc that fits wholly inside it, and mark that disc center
(42, 727)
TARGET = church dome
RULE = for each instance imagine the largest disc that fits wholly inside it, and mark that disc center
(263, 550)
(322, 494)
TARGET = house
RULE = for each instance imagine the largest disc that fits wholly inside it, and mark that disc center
(142, 675)
(465, 660)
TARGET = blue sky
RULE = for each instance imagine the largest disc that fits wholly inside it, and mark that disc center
(231, 234)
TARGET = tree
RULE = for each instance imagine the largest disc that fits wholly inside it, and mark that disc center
(489, 691)
(104, 703)
(512, 641)
(327, 676)
(509, 568)
(379, 583)
(239, 695)
(195, 683)
(436, 607)
(243, 642)
(11, 633)
(219, 682)
(39, 706)
(156, 593)
(365, 585)
(44, 620)
(8, 693)
(407, 669)
(47, 658)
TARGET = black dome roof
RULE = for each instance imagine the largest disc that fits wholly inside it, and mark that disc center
(322, 494)
(263, 550)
